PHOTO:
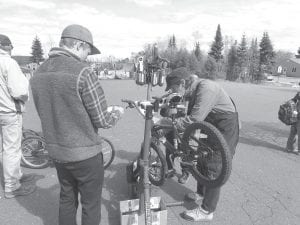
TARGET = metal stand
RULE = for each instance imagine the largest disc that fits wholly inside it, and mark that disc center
(144, 185)
(144, 189)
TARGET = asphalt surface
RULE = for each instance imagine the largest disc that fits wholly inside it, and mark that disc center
(263, 187)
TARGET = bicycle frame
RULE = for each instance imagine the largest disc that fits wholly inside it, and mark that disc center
(178, 149)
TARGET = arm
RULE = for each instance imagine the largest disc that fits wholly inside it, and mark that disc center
(93, 99)
(296, 97)
(206, 97)
(17, 83)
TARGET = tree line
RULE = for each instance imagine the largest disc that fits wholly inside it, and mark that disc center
(242, 60)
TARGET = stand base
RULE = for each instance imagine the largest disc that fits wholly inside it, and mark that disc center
(129, 212)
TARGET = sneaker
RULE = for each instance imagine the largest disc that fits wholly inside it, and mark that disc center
(184, 177)
(21, 191)
(193, 196)
(295, 151)
(197, 214)
(171, 173)
(27, 177)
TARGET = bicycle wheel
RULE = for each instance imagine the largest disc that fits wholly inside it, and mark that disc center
(34, 154)
(208, 157)
(157, 165)
(108, 152)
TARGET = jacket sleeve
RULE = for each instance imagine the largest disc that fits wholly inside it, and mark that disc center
(93, 98)
(205, 99)
(17, 83)
(296, 97)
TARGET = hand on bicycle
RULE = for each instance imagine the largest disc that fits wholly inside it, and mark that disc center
(163, 121)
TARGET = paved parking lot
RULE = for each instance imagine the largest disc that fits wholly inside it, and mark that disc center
(263, 188)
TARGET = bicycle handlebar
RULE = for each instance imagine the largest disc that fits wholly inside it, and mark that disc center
(131, 104)
(134, 104)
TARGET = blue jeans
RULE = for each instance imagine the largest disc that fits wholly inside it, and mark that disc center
(84, 177)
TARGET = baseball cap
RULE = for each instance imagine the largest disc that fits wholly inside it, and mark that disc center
(176, 76)
(81, 33)
(4, 40)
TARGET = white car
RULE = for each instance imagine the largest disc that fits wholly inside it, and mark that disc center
(270, 78)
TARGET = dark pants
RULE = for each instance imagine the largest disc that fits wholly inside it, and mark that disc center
(228, 125)
(84, 177)
(170, 138)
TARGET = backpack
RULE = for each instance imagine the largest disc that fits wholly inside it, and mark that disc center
(288, 112)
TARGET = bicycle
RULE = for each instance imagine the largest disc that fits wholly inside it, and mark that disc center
(35, 156)
(201, 148)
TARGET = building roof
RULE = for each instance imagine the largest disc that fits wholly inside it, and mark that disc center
(296, 60)
(22, 60)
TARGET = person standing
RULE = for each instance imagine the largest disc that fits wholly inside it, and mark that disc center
(295, 130)
(207, 101)
(13, 95)
(72, 106)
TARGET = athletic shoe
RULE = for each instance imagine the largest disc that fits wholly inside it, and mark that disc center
(295, 151)
(193, 196)
(197, 215)
(21, 191)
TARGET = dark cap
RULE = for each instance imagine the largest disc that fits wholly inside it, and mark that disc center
(80, 33)
(4, 40)
(176, 76)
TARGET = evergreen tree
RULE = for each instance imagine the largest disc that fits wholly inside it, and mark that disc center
(266, 53)
(172, 42)
(242, 59)
(195, 65)
(182, 58)
(254, 60)
(217, 46)
(210, 68)
(198, 52)
(174, 45)
(37, 51)
(232, 63)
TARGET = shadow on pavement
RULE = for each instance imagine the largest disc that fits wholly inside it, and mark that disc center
(43, 203)
(264, 134)
(177, 192)
(258, 142)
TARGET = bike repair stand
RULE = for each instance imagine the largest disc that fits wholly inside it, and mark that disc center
(138, 211)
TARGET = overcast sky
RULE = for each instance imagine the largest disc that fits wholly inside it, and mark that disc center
(120, 27)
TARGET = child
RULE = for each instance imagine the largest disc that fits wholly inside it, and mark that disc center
(295, 130)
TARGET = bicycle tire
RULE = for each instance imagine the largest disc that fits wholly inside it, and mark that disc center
(34, 154)
(213, 143)
(108, 151)
(159, 163)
